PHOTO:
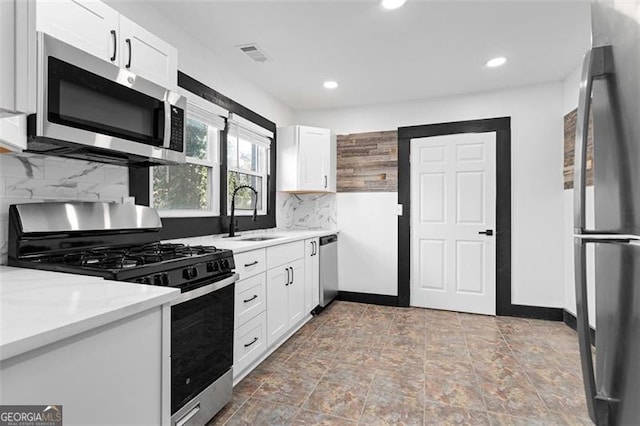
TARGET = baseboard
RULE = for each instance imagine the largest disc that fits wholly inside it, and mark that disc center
(572, 322)
(372, 299)
(535, 312)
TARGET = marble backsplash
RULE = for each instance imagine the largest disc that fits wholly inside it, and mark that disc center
(305, 211)
(32, 178)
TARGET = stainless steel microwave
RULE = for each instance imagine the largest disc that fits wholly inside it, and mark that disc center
(91, 109)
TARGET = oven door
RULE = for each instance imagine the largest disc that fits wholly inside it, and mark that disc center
(201, 339)
(89, 102)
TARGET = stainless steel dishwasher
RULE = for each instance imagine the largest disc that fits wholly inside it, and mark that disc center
(328, 269)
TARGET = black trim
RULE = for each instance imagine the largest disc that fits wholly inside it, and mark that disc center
(536, 312)
(502, 127)
(372, 299)
(177, 227)
(569, 319)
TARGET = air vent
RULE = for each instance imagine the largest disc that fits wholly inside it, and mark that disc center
(255, 52)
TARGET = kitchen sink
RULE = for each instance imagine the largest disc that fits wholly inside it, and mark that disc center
(258, 238)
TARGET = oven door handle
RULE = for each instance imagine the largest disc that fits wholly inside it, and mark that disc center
(201, 291)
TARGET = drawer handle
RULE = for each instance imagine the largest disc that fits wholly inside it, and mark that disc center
(246, 265)
(255, 296)
(255, 339)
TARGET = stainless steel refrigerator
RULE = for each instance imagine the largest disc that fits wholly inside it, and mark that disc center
(610, 88)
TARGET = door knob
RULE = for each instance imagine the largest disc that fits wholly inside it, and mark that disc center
(488, 232)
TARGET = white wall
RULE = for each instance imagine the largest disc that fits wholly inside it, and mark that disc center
(571, 90)
(537, 182)
(199, 62)
(368, 242)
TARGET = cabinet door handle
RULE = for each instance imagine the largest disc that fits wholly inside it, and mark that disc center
(288, 277)
(325, 181)
(246, 265)
(291, 276)
(115, 45)
(315, 248)
(128, 41)
(255, 339)
(255, 296)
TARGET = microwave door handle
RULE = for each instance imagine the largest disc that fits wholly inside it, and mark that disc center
(166, 141)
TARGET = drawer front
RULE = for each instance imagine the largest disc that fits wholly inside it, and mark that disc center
(250, 342)
(250, 298)
(250, 263)
(284, 253)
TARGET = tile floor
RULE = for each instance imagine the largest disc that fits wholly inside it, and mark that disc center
(357, 364)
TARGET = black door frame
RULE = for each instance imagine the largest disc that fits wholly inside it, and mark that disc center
(502, 128)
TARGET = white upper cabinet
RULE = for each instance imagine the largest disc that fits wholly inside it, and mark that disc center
(146, 55)
(306, 159)
(17, 57)
(88, 25)
(96, 28)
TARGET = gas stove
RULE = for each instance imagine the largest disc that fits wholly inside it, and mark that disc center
(117, 242)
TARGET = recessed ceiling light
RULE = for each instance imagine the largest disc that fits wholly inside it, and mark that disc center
(392, 4)
(330, 84)
(496, 62)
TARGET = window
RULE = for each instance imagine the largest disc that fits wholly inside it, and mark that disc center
(248, 147)
(192, 189)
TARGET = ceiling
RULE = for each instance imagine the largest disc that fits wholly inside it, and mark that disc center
(422, 50)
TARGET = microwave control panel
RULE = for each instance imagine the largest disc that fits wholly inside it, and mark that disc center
(177, 129)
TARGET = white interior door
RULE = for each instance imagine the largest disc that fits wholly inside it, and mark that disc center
(453, 193)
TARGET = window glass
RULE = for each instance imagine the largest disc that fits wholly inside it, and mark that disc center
(244, 197)
(197, 139)
(192, 188)
(185, 186)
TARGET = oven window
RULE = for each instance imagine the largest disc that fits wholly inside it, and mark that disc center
(81, 99)
(201, 343)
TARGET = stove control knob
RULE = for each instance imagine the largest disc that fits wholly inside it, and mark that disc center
(161, 279)
(165, 279)
(144, 280)
(212, 267)
(190, 273)
(224, 263)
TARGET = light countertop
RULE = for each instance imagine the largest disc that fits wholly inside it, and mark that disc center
(238, 245)
(38, 308)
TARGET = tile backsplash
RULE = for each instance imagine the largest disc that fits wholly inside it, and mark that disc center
(32, 178)
(305, 211)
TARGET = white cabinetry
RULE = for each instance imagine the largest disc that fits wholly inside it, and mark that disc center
(285, 289)
(124, 365)
(250, 335)
(88, 25)
(17, 71)
(146, 55)
(94, 27)
(310, 156)
(311, 274)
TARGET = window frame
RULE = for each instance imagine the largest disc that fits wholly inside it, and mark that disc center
(184, 227)
(257, 137)
(213, 163)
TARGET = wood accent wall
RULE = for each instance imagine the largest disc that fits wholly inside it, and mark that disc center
(368, 162)
(569, 149)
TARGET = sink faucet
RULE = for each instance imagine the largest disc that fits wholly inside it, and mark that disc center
(232, 218)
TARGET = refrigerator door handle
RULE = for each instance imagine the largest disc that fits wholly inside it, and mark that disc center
(599, 406)
(584, 332)
(597, 63)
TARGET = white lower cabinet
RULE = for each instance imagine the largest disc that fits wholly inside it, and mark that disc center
(250, 298)
(311, 274)
(279, 286)
(124, 365)
(250, 323)
(285, 289)
(250, 342)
